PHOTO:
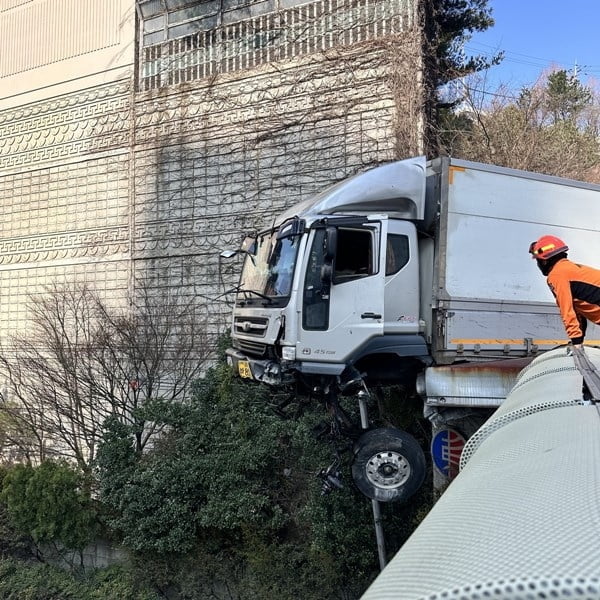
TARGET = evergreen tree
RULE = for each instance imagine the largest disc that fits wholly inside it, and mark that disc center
(566, 96)
(448, 24)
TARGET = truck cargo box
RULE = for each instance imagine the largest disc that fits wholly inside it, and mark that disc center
(488, 295)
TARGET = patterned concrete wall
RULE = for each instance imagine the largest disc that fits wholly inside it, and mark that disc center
(66, 71)
(226, 162)
(111, 182)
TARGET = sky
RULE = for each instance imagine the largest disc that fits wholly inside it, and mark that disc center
(537, 35)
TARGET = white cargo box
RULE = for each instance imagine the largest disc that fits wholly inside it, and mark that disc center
(488, 291)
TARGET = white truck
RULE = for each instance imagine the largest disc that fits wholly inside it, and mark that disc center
(415, 273)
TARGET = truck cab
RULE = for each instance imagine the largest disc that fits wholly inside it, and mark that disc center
(336, 282)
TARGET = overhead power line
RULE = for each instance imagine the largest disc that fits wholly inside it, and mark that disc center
(527, 59)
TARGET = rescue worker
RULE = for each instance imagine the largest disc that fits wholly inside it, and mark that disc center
(576, 288)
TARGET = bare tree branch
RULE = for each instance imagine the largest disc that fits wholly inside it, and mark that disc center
(82, 362)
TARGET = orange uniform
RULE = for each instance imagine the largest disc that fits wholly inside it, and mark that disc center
(577, 292)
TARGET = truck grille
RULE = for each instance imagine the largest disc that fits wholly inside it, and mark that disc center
(250, 347)
(256, 326)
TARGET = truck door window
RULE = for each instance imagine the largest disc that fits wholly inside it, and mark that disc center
(354, 254)
(315, 315)
(397, 253)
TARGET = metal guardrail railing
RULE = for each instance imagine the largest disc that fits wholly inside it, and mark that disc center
(522, 519)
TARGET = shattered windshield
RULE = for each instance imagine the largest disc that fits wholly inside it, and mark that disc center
(271, 269)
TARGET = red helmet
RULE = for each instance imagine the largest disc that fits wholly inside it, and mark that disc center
(547, 246)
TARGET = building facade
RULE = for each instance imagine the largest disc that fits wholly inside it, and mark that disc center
(139, 139)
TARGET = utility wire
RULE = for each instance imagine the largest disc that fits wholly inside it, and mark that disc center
(526, 59)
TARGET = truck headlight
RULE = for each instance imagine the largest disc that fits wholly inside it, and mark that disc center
(288, 353)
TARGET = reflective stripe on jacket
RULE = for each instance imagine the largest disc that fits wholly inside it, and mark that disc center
(577, 292)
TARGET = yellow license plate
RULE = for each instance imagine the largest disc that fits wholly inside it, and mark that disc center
(244, 369)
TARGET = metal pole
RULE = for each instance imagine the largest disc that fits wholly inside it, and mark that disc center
(379, 534)
(363, 395)
(362, 406)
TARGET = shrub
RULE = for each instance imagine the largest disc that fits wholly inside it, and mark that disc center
(25, 581)
(49, 503)
(228, 500)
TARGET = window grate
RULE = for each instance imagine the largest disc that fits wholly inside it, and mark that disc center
(283, 35)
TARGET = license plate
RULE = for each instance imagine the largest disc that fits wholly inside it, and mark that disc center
(244, 369)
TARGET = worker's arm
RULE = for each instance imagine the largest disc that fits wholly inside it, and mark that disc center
(561, 288)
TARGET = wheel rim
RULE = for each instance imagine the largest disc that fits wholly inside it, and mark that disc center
(387, 470)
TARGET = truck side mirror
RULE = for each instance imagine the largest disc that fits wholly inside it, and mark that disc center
(248, 247)
(232, 253)
(329, 245)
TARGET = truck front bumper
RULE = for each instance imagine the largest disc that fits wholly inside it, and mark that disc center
(276, 373)
(265, 371)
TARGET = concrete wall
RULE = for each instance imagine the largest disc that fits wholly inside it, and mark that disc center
(120, 161)
(66, 73)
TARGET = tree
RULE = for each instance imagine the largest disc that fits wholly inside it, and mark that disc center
(566, 97)
(448, 24)
(83, 361)
(550, 127)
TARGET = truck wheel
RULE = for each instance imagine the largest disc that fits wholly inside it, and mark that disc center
(389, 465)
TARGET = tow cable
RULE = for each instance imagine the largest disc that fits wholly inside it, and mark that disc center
(591, 376)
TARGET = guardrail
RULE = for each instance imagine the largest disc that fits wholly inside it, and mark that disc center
(522, 519)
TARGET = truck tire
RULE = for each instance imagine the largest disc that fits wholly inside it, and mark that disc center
(389, 465)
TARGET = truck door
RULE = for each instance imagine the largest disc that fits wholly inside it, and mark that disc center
(343, 294)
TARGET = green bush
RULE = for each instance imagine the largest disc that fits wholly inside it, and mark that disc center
(117, 583)
(227, 464)
(12, 542)
(26, 581)
(49, 503)
(228, 499)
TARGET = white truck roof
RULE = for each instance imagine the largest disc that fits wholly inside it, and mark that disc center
(397, 189)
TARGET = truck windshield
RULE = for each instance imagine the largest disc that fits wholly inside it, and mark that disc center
(271, 269)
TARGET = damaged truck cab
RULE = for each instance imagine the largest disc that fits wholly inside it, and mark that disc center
(337, 280)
